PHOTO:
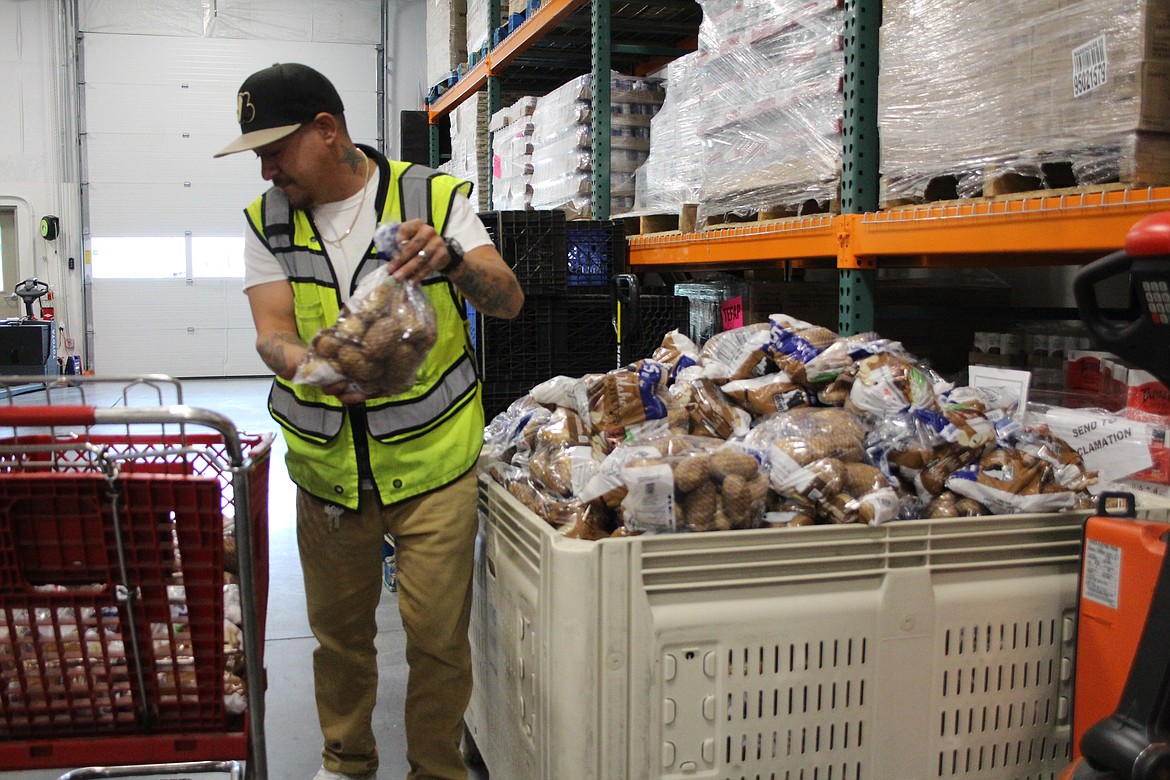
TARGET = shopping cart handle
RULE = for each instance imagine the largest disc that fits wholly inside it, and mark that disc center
(46, 415)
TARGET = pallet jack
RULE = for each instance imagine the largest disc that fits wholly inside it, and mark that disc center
(1121, 712)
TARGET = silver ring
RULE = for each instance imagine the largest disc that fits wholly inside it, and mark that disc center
(422, 253)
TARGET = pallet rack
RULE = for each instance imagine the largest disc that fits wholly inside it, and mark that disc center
(1035, 229)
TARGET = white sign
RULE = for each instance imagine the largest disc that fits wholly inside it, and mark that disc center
(1112, 446)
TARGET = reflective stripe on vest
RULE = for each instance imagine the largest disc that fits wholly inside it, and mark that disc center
(313, 422)
(396, 419)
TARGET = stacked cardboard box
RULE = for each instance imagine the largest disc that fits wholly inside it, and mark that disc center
(446, 38)
(512, 130)
(974, 90)
(470, 149)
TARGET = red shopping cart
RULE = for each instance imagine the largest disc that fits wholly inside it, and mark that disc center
(133, 581)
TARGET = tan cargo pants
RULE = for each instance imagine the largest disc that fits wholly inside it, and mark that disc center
(341, 556)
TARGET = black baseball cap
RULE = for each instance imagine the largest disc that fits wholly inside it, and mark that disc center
(274, 102)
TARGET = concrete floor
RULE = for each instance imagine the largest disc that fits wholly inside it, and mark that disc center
(293, 739)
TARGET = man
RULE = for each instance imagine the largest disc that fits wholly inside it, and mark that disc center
(366, 466)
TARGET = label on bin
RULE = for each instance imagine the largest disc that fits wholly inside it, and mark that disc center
(649, 505)
(1102, 573)
(731, 312)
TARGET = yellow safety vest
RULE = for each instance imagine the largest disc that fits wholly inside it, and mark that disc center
(407, 444)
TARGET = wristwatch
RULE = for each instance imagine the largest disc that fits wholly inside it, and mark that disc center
(455, 255)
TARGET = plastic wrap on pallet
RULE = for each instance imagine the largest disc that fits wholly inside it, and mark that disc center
(771, 105)
(446, 37)
(563, 147)
(707, 298)
(672, 172)
(973, 92)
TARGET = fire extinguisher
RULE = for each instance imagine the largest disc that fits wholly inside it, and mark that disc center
(47, 310)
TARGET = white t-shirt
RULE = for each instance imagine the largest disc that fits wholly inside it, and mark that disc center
(261, 266)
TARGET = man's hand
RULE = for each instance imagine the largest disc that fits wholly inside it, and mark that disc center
(346, 392)
(421, 252)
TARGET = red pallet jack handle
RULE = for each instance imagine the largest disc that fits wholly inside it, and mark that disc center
(1134, 742)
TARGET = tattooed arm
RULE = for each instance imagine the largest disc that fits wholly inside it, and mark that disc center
(277, 341)
(487, 281)
(483, 276)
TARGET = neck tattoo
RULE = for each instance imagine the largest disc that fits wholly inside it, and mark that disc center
(361, 205)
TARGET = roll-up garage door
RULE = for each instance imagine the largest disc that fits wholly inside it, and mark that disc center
(165, 220)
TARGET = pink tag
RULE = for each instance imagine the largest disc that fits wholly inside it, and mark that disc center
(732, 312)
(497, 167)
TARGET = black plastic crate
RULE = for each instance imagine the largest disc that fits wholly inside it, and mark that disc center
(585, 338)
(657, 316)
(519, 349)
(533, 244)
(596, 250)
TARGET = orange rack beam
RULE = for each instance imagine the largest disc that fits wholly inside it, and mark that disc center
(973, 232)
(535, 27)
(794, 238)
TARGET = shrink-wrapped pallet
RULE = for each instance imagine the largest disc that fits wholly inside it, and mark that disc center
(562, 154)
(771, 106)
(1078, 89)
(672, 173)
(446, 38)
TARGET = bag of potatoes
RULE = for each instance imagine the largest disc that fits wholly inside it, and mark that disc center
(382, 335)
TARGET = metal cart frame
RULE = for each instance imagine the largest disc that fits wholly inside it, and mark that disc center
(114, 529)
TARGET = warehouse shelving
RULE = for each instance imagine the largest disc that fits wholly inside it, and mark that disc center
(563, 39)
(1037, 229)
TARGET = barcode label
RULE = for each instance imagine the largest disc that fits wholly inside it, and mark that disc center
(1090, 67)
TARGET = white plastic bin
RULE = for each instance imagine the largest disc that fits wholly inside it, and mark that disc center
(922, 649)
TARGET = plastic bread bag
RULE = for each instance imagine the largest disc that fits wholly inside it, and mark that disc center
(844, 352)
(576, 519)
(513, 429)
(791, 443)
(563, 459)
(682, 483)
(677, 352)
(735, 354)
(624, 397)
(382, 335)
(923, 447)
(794, 343)
(887, 383)
(1069, 468)
(767, 394)
(1008, 480)
(711, 413)
(566, 391)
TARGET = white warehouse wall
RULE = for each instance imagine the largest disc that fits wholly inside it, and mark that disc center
(39, 149)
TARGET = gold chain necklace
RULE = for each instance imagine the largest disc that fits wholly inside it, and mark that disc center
(361, 204)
